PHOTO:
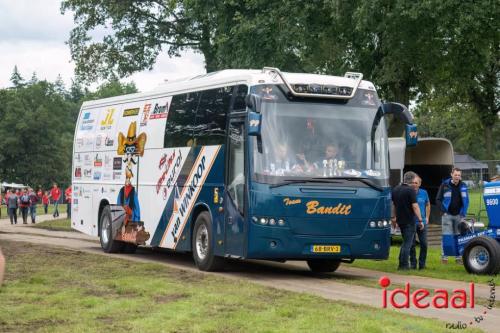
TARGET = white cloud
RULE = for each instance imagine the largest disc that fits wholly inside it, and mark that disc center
(33, 35)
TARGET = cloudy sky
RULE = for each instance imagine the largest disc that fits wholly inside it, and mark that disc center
(33, 35)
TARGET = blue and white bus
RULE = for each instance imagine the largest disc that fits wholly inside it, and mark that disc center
(248, 164)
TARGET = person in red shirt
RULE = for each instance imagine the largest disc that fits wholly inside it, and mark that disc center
(46, 201)
(55, 194)
(24, 203)
(68, 196)
(39, 193)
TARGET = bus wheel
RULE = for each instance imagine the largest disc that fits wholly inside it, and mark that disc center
(108, 244)
(482, 256)
(202, 244)
(323, 265)
(129, 248)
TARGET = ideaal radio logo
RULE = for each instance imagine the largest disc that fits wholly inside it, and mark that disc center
(423, 298)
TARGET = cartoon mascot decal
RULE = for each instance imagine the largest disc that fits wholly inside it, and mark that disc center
(131, 146)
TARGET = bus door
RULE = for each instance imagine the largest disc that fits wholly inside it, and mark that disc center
(234, 196)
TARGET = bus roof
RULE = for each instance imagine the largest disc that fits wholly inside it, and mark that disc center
(229, 77)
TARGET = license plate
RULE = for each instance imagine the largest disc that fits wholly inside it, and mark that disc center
(326, 248)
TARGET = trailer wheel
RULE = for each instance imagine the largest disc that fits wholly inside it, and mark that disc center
(108, 244)
(482, 256)
(323, 265)
(202, 244)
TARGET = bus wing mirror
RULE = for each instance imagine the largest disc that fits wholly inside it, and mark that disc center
(254, 123)
(402, 112)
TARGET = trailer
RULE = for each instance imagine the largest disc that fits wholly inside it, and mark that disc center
(479, 246)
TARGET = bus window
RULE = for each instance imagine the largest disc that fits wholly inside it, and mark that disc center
(210, 124)
(181, 119)
(236, 171)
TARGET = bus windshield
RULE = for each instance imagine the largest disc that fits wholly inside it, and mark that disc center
(316, 140)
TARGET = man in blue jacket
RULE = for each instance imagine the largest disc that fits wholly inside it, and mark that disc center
(453, 200)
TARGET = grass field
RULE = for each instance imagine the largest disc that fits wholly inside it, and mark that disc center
(56, 290)
(61, 209)
(435, 269)
(57, 225)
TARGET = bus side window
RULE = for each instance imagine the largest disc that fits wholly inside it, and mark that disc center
(210, 124)
(181, 120)
(236, 170)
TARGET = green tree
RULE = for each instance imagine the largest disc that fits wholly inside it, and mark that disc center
(16, 78)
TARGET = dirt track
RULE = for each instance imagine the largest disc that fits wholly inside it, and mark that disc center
(293, 276)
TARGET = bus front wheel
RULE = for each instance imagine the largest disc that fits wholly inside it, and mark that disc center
(202, 244)
(108, 244)
(323, 265)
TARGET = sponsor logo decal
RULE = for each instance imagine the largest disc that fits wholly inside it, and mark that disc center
(131, 112)
(107, 123)
(106, 176)
(160, 111)
(86, 160)
(97, 175)
(97, 161)
(145, 114)
(87, 173)
(108, 161)
(108, 142)
(98, 141)
(87, 122)
(117, 163)
(79, 142)
(117, 175)
(78, 158)
(164, 165)
(78, 172)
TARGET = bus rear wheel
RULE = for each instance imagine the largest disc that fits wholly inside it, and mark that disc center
(108, 244)
(202, 244)
(323, 265)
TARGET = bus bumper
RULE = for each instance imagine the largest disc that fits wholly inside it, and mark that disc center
(282, 244)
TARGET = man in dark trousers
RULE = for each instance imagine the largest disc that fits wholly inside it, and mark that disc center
(453, 200)
(404, 210)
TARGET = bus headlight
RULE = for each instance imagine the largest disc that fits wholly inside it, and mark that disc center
(263, 221)
(385, 223)
(281, 222)
(380, 224)
(373, 224)
(272, 221)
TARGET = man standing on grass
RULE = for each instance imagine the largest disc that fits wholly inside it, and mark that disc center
(453, 200)
(34, 201)
(404, 210)
(425, 211)
(55, 194)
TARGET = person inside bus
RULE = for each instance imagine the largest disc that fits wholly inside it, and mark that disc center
(284, 162)
(329, 162)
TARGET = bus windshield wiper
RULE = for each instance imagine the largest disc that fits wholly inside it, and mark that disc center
(298, 181)
(364, 180)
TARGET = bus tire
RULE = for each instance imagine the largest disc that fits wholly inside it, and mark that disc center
(108, 244)
(129, 248)
(482, 256)
(202, 244)
(323, 265)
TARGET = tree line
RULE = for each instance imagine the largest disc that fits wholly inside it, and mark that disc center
(37, 124)
(442, 55)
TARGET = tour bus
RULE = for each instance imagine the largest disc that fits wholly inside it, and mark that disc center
(247, 164)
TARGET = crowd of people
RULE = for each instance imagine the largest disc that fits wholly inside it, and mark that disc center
(24, 202)
(411, 211)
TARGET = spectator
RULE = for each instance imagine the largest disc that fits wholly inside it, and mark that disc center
(55, 194)
(24, 203)
(425, 210)
(39, 193)
(2, 267)
(12, 204)
(68, 196)
(33, 202)
(405, 208)
(45, 202)
(453, 200)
